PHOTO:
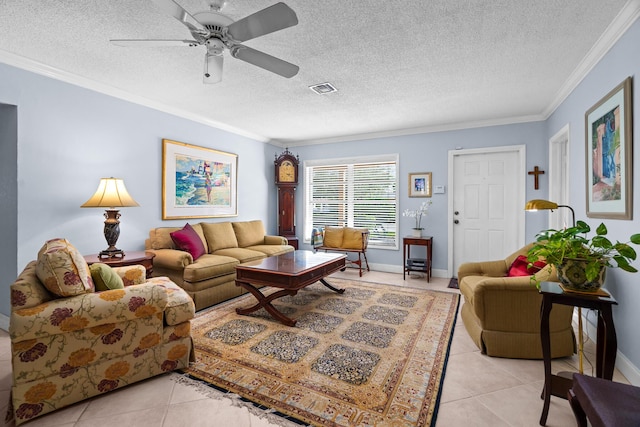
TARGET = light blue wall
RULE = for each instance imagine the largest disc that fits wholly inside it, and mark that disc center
(8, 198)
(70, 137)
(429, 153)
(621, 61)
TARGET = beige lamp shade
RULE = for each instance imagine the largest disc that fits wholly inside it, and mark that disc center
(111, 193)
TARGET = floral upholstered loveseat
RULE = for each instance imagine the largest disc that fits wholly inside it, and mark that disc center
(70, 347)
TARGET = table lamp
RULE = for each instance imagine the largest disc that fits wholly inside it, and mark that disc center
(540, 204)
(111, 194)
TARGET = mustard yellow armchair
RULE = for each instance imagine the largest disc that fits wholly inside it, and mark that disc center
(502, 314)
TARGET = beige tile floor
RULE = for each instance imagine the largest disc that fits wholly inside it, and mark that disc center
(478, 390)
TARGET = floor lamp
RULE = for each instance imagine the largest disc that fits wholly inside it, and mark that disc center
(540, 204)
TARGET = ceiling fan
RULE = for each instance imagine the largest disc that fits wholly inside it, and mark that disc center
(216, 32)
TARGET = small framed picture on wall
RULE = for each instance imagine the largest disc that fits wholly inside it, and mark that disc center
(420, 184)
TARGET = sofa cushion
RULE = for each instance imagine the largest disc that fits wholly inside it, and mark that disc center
(160, 238)
(520, 267)
(105, 278)
(241, 254)
(62, 269)
(249, 233)
(209, 266)
(333, 237)
(219, 235)
(188, 240)
(352, 238)
(271, 250)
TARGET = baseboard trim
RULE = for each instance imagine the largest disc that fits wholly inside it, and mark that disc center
(4, 322)
(389, 268)
(623, 364)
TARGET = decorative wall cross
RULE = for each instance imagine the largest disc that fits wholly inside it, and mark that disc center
(536, 172)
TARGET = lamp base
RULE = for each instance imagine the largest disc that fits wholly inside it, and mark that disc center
(111, 253)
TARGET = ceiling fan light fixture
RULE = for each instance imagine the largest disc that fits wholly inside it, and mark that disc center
(323, 88)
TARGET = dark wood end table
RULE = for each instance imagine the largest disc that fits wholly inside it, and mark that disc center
(290, 272)
(409, 241)
(129, 258)
(606, 344)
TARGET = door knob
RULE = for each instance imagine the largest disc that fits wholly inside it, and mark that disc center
(455, 221)
(456, 213)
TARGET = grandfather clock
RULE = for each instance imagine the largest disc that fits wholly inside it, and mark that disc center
(287, 181)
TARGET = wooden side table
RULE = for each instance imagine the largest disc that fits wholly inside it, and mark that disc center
(606, 344)
(409, 241)
(129, 258)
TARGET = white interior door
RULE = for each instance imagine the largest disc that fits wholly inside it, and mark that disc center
(486, 205)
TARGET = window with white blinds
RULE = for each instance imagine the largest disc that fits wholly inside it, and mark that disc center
(359, 192)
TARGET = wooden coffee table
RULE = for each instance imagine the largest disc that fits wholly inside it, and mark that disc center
(290, 272)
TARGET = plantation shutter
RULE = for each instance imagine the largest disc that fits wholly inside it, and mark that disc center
(354, 195)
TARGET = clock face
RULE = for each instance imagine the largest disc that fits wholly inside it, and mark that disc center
(287, 172)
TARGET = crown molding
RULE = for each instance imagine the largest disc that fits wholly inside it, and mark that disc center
(76, 80)
(621, 23)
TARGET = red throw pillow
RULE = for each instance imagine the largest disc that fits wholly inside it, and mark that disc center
(188, 240)
(519, 267)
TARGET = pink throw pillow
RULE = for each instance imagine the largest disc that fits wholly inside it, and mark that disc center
(188, 240)
(519, 267)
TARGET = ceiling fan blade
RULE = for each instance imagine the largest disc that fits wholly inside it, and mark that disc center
(266, 61)
(265, 21)
(153, 43)
(174, 9)
(212, 68)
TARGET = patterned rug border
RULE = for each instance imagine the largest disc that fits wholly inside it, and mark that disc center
(288, 420)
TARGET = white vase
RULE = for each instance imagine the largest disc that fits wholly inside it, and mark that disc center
(416, 232)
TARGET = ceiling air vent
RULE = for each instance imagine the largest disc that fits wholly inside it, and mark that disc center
(323, 88)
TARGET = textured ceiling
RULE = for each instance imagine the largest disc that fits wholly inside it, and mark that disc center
(399, 66)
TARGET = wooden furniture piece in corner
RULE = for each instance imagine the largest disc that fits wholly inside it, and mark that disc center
(604, 402)
(606, 343)
(129, 258)
(286, 178)
(290, 272)
(409, 241)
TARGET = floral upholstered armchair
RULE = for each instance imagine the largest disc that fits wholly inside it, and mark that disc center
(71, 340)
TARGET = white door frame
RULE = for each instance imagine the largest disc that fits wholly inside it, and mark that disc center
(559, 168)
(521, 151)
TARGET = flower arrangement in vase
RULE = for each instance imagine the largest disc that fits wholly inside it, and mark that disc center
(417, 214)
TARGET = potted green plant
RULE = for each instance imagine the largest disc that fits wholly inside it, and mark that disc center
(581, 261)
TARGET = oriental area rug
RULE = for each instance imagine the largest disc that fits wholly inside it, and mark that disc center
(374, 355)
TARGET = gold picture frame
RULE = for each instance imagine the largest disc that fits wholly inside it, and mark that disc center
(198, 182)
(420, 184)
(609, 157)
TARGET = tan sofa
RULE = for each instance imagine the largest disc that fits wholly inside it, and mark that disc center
(502, 314)
(210, 279)
(69, 348)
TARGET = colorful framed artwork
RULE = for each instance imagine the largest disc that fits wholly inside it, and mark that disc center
(420, 184)
(609, 157)
(198, 182)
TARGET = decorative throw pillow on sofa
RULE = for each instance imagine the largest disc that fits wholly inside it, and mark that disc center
(333, 237)
(105, 277)
(519, 267)
(62, 269)
(352, 238)
(188, 240)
